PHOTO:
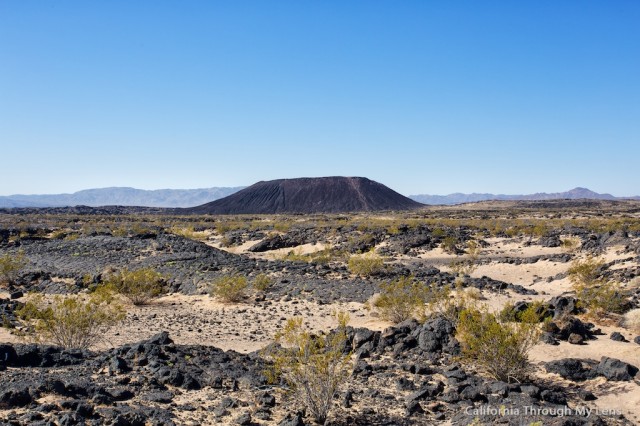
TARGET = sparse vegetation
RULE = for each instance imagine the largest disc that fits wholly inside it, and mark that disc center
(465, 266)
(139, 286)
(500, 349)
(262, 282)
(450, 244)
(314, 366)
(188, 232)
(366, 265)
(77, 321)
(230, 288)
(11, 266)
(594, 292)
(401, 299)
(632, 320)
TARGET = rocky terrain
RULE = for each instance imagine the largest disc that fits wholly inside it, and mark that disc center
(187, 358)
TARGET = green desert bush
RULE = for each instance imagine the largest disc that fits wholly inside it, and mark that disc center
(450, 244)
(10, 267)
(501, 349)
(314, 366)
(262, 283)
(401, 299)
(78, 321)
(140, 286)
(449, 301)
(230, 288)
(366, 265)
(188, 232)
(594, 292)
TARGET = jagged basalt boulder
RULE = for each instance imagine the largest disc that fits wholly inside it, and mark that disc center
(584, 369)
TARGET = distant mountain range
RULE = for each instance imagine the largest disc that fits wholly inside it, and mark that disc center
(122, 196)
(459, 198)
(119, 196)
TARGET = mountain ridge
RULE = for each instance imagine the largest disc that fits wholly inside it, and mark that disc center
(122, 196)
(186, 198)
(461, 198)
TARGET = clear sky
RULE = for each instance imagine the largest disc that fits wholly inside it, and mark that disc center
(423, 96)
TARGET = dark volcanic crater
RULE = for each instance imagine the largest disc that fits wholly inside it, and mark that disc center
(310, 195)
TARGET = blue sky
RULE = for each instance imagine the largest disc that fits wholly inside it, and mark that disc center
(423, 96)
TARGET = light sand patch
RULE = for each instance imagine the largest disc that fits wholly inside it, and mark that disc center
(301, 250)
(241, 327)
(241, 249)
(525, 274)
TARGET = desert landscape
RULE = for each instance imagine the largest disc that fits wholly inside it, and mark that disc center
(190, 354)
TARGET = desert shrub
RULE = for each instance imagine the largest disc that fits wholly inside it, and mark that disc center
(586, 271)
(632, 320)
(139, 286)
(402, 299)
(315, 367)
(77, 321)
(262, 282)
(188, 232)
(366, 265)
(230, 288)
(500, 349)
(449, 301)
(450, 244)
(321, 257)
(509, 313)
(11, 266)
(594, 292)
(468, 264)
(438, 233)
(570, 244)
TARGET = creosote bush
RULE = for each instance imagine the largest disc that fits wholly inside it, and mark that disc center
(450, 244)
(262, 283)
(314, 366)
(140, 286)
(366, 265)
(230, 288)
(594, 292)
(11, 266)
(632, 320)
(499, 348)
(78, 321)
(402, 299)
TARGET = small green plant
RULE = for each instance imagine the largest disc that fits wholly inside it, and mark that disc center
(314, 366)
(450, 244)
(468, 264)
(78, 321)
(139, 286)
(188, 232)
(402, 299)
(594, 292)
(448, 301)
(262, 283)
(438, 233)
(230, 288)
(11, 266)
(499, 348)
(366, 265)
(570, 244)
